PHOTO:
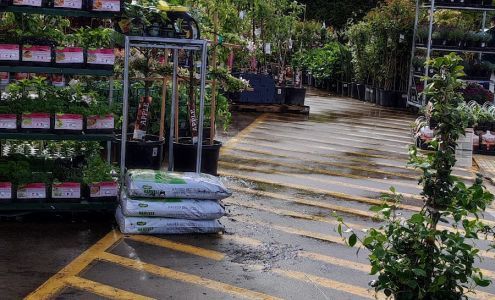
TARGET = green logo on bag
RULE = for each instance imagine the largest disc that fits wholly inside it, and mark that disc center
(143, 205)
(147, 189)
(168, 179)
(141, 223)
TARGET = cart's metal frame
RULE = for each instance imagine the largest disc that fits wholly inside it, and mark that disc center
(175, 45)
(413, 99)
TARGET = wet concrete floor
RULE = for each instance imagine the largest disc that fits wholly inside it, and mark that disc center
(288, 173)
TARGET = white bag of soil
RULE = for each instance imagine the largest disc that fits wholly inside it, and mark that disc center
(171, 208)
(161, 184)
(147, 225)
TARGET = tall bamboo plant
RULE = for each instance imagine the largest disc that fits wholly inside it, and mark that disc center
(431, 254)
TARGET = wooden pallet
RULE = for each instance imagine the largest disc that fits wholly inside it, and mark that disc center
(270, 108)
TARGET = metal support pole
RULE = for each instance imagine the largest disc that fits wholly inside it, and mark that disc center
(172, 112)
(428, 47)
(125, 114)
(413, 52)
(483, 28)
(110, 101)
(204, 68)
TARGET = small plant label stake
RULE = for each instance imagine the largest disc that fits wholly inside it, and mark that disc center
(66, 190)
(9, 52)
(32, 191)
(5, 190)
(75, 4)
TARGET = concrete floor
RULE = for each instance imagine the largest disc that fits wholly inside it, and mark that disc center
(288, 173)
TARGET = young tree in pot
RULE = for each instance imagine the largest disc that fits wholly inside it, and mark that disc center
(413, 256)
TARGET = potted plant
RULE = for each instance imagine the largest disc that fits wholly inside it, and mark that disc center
(97, 178)
(69, 53)
(8, 117)
(6, 185)
(99, 44)
(30, 186)
(100, 119)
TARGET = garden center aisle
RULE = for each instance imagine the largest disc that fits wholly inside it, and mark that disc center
(288, 173)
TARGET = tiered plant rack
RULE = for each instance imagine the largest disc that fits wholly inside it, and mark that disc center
(413, 98)
(60, 206)
(174, 45)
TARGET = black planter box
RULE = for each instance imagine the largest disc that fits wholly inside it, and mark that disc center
(263, 89)
(354, 90)
(185, 156)
(295, 96)
(361, 91)
(280, 95)
(147, 154)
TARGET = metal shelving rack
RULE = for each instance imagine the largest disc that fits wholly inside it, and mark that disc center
(76, 206)
(413, 98)
(174, 45)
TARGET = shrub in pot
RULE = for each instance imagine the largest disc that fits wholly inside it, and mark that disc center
(99, 46)
(98, 180)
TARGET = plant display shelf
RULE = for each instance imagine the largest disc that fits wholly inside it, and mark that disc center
(55, 137)
(55, 70)
(453, 7)
(69, 207)
(58, 12)
(413, 98)
(435, 48)
(83, 204)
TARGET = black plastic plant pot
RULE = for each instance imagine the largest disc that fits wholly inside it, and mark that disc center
(10, 54)
(280, 94)
(374, 95)
(8, 123)
(295, 96)
(145, 154)
(387, 98)
(37, 122)
(367, 93)
(185, 156)
(354, 90)
(400, 100)
(7, 192)
(361, 91)
(345, 89)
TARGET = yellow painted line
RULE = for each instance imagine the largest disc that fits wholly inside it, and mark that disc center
(102, 289)
(214, 255)
(328, 283)
(332, 143)
(184, 277)
(340, 157)
(342, 131)
(317, 190)
(333, 173)
(294, 231)
(326, 181)
(52, 286)
(320, 204)
(230, 143)
(290, 213)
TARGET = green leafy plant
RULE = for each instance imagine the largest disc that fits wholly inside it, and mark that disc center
(97, 170)
(413, 257)
(94, 38)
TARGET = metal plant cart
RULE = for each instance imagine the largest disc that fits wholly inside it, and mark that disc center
(413, 98)
(174, 45)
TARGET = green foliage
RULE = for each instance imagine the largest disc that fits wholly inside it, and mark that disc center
(330, 61)
(413, 257)
(97, 170)
(95, 37)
